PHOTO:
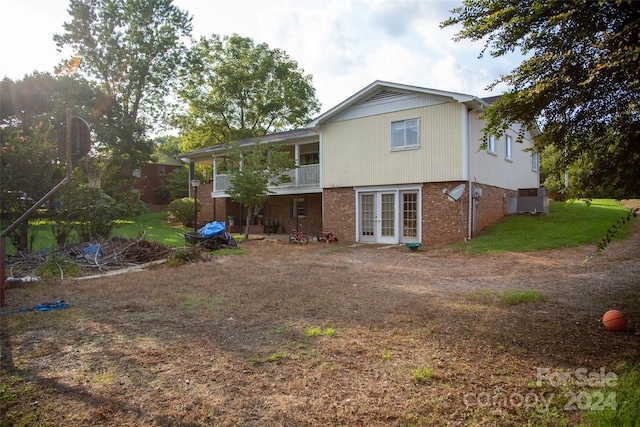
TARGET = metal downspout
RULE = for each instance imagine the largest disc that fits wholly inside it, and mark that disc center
(470, 194)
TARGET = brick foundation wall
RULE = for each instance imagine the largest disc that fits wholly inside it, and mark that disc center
(220, 209)
(204, 197)
(493, 205)
(441, 219)
(339, 213)
(280, 211)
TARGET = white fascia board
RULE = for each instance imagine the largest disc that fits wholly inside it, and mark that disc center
(470, 101)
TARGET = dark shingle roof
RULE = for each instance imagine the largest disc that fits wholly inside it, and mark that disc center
(491, 99)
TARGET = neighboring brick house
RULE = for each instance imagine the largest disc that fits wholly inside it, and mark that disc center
(374, 168)
(153, 175)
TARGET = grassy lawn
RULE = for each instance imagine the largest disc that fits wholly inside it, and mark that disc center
(152, 226)
(155, 227)
(566, 225)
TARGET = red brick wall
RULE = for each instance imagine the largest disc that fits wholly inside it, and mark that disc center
(441, 219)
(279, 209)
(493, 205)
(220, 211)
(335, 211)
(150, 179)
(204, 197)
(339, 213)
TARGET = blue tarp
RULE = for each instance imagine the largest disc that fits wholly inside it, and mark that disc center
(45, 306)
(213, 228)
(93, 250)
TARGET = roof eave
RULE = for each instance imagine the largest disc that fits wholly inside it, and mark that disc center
(470, 101)
(205, 154)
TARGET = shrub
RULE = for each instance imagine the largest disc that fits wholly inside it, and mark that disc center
(97, 219)
(181, 211)
(175, 183)
(161, 195)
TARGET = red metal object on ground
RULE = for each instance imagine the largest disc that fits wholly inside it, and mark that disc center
(327, 237)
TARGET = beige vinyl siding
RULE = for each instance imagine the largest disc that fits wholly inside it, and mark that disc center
(358, 152)
(493, 169)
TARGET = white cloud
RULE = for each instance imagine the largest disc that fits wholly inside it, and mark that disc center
(344, 44)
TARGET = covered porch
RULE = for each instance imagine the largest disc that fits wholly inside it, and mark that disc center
(279, 215)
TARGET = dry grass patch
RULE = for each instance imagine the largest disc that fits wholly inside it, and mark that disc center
(291, 335)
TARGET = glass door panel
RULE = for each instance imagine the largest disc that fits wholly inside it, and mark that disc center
(388, 215)
(410, 215)
(367, 217)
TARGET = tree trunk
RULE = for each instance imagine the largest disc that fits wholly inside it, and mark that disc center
(249, 215)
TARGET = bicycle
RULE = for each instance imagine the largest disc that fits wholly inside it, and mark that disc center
(297, 236)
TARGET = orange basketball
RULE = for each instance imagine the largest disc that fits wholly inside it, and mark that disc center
(614, 320)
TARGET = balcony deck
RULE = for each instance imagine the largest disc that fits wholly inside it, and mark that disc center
(303, 177)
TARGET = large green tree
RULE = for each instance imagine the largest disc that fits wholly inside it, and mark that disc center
(28, 171)
(41, 99)
(44, 98)
(132, 49)
(579, 81)
(32, 120)
(235, 89)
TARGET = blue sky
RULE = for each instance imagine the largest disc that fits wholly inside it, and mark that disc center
(344, 44)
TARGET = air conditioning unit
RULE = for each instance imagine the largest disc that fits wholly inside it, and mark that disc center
(533, 200)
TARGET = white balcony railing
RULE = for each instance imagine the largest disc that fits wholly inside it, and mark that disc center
(303, 176)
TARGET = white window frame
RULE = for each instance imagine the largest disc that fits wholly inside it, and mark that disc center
(404, 145)
(491, 144)
(535, 161)
(508, 148)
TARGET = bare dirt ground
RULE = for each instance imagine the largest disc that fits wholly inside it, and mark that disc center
(227, 342)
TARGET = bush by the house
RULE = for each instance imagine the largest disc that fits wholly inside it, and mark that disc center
(161, 195)
(181, 211)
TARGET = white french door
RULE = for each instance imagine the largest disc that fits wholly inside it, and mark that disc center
(388, 216)
(378, 217)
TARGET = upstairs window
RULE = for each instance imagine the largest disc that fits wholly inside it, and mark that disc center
(491, 144)
(404, 134)
(508, 148)
(534, 161)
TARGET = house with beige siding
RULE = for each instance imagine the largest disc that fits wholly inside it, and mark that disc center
(380, 167)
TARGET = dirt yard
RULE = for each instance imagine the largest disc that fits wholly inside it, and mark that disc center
(285, 335)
